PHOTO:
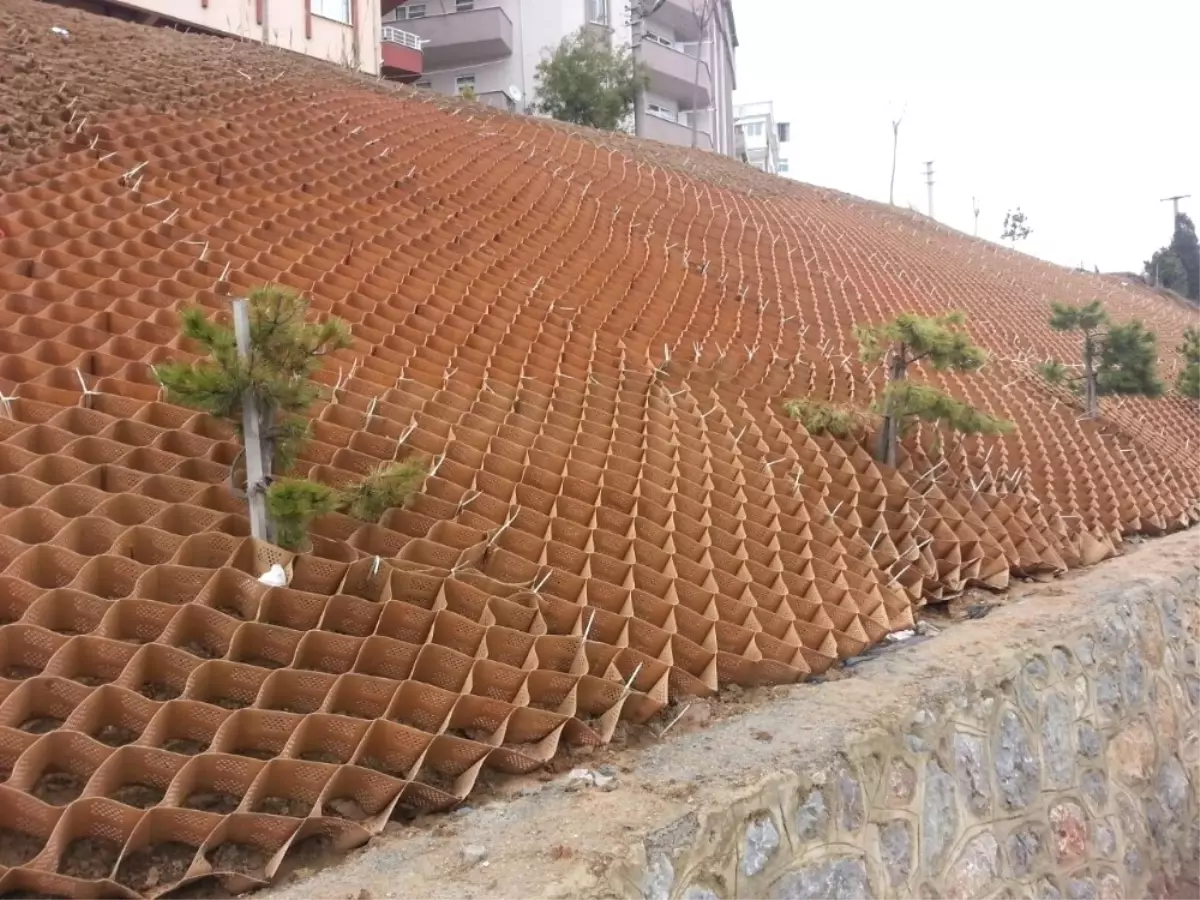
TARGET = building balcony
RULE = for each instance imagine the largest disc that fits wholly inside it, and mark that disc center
(656, 128)
(463, 38)
(672, 74)
(401, 54)
(678, 17)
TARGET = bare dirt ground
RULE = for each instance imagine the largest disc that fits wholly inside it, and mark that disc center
(534, 836)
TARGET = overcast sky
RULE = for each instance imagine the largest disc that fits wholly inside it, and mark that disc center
(1084, 114)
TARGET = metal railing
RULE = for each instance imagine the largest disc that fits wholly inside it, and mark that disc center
(394, 35)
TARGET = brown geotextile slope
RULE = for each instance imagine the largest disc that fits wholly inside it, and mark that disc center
(601, 532)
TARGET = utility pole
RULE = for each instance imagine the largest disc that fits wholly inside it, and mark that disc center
(929, 184)
(251, 433)
(1174, 205)
(975, 206)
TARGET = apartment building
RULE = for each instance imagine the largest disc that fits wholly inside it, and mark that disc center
(493, 48)
(345, 32)
(760, 138)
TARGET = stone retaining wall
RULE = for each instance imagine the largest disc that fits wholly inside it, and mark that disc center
(1069, 770)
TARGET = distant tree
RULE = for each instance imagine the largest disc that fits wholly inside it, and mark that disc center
(1188, 382)
(1165, 269)
(909, 339)
(1016, 227)
(1117, 359)
(585, 81)
(1186, 247)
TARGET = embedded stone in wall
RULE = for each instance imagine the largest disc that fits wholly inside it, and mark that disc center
(1057, 752)
(658, 878)
(1108, 692)
(699, 892)
(812, 817)
(1068, 823)
(1024, 847)
(1017, 771)
(1132, 677)
(851, 813)
(834, 879)
(901, 783)
(1095, 789)
(895, 850)
(974, 872)
(1110, 887)
(1165, 810)
(1104, 839)
(970, 768)
(762, 840)
(1032, 683)
(1089, 741)
(1163, 712)
(1046, 890)
(1133, 861)
(1060, 658)
(939, 815)
(1131, 753)
(1082, 888)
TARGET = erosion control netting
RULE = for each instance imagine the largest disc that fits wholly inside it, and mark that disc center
(604, 529)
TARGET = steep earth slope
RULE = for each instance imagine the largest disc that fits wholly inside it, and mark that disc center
(588, 336)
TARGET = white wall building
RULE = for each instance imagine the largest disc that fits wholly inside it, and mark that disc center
(761, 138)
(494, 47)
(345, 32)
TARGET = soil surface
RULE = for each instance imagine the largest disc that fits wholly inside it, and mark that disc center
(116, 736)
(89, 858)
(157, 690)
(58, 788)
(284, 806)
(18, 848)
(141, 796)
(41, 725)
(156, 866)
(213, 801)
(244, 858)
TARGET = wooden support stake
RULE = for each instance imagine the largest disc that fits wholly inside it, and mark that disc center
(255, 470)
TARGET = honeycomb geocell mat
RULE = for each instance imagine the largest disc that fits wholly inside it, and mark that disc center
(588, 337)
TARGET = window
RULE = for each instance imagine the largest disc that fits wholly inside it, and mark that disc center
(783, 167)
(464, 84)
(753, 129)
(598, 11)
(424, 85)
(464, 5)
(659, 39)
(409, 11)
(338, 10)
(661, 112)
(785, 132)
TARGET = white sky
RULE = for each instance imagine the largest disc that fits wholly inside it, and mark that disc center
(1084, 114)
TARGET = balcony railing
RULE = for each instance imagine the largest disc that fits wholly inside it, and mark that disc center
(394, 35)
(465, 38)
(658, 127)
(673, 73)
